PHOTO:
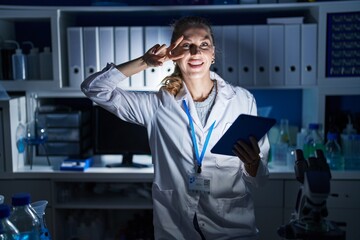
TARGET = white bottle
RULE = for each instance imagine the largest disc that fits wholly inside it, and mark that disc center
(18, 62)
(33, 64)
(46, 66)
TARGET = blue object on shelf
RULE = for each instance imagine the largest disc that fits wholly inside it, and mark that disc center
(76, 164)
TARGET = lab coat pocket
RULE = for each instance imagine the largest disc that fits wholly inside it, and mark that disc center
(237, 210)
(166, 213)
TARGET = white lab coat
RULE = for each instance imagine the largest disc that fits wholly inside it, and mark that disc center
(228, 211)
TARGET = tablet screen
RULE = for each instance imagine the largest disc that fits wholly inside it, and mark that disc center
(244, 126)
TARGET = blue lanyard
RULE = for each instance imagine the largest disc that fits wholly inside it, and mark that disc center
(198, 158)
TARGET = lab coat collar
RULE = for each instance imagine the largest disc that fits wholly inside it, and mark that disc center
(224, 93)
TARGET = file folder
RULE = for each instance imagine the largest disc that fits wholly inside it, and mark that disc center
(246, 55)
(261, 40)
(308, 54)
(165, 38)
(106, 49)
(230, 70)
(91, 50)
(219, 55)
(152, 74)
(292, 55)
(276, 55)
(136, 51)
(122, 50)
(75, 56)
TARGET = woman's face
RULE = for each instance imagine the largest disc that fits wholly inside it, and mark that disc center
(197, 47)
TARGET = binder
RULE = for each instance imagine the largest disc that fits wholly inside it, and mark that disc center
(276, 55)
(152, 74)
(230, 69)
(2, 140)
(75, 56)
(292, 55)
(308, 54)
(136, 51)
(106, 49)
(91, 50)
(219, 55)
(165, 38)
(122, 50)
(246, 55)
(261, 53)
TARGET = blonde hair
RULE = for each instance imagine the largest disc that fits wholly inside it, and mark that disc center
(174, 82)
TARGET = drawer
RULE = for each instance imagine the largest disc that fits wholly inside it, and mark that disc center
(67, 134)
(71, 119)
(65, 148)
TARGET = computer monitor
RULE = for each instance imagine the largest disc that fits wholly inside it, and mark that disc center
(115, 136)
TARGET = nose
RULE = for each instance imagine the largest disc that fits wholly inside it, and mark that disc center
(194, 49)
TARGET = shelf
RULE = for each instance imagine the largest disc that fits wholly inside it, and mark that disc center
(106, 202)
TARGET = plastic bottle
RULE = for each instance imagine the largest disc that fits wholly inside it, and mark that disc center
(313, 141)
(281, 147)
(33, 62)
(24, 217)
(333, 152)
(18, 62)
(7, 229)
(349, 138)
(46, 66)
(300, 138)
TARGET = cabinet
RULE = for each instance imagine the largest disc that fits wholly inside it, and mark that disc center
(107, 207)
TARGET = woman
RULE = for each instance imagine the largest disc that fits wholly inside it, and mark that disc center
(196, 194)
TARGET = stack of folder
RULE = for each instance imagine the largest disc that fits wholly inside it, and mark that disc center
(246, 55)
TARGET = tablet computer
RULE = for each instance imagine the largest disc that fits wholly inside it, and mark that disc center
(244, 126)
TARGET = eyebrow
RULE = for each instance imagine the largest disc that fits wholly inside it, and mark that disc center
(207, 37)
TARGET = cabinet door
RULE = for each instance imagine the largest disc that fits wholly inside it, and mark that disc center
(38, 189)
(269, 208)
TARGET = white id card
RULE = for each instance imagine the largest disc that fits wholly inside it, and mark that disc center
(199, 183)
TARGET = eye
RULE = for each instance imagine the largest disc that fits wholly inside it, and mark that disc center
(186, 46)
(204, 45)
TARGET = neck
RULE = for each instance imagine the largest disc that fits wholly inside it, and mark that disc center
(200, 90)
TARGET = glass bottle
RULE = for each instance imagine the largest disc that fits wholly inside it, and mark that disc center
(24, 217)
(7, 229)
(333, 152)
(39, 208)
(281, 147)
(313, 141)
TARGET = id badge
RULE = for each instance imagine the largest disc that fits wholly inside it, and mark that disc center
(199, 182)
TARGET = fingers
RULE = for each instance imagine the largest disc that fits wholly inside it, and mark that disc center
(171, 52)
(249, 154)
(176, 43)
(255, 145)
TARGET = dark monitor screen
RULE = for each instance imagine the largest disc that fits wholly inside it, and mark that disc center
(115, 136)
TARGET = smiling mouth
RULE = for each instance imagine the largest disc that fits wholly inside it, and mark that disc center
(195, 63)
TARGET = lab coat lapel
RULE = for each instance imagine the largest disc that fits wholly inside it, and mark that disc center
(224, 93)
(185, 94)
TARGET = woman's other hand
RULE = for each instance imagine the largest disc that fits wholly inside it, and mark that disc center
(248, 154)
